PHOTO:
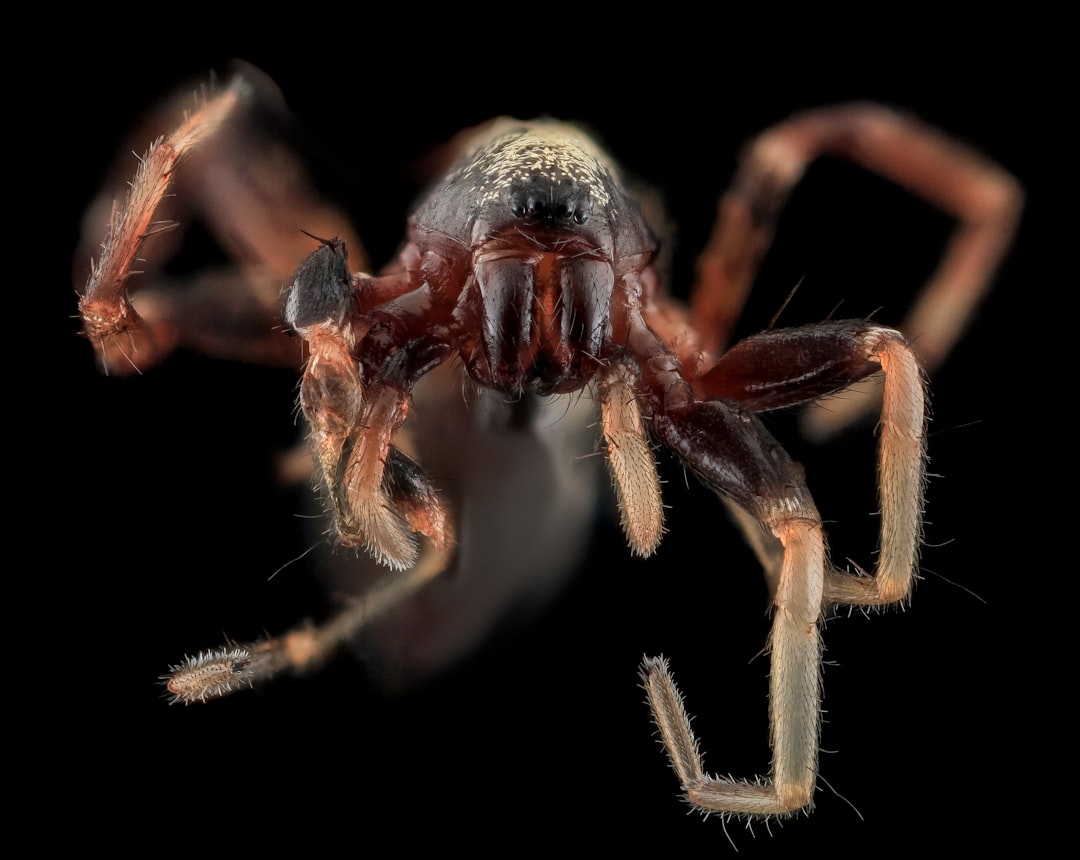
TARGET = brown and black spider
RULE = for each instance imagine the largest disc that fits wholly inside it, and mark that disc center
(659, 373)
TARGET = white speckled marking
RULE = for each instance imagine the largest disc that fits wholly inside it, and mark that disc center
(554, 151)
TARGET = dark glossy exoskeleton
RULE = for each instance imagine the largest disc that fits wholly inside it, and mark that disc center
(529, 284)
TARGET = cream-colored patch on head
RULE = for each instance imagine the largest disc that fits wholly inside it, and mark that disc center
(554, 151)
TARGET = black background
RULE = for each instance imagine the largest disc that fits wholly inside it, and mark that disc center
(170, 524)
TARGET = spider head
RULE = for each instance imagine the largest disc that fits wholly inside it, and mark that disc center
(543, 180)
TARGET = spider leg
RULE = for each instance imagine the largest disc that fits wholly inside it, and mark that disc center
(901, 479)
(984, 199)
(794, 696)
(218, 672)
(734, 454)
(630, 461)
(355, 396)
(715, 433)
(217, 165)
(355, 402)
(789, 367)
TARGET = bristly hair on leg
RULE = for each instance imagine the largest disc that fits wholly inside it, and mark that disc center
(211, 675)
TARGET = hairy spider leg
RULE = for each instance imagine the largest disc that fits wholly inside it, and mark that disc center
(253, 195)
(985, 200)
(723, 442)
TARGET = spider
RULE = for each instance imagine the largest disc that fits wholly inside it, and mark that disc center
(527, 304)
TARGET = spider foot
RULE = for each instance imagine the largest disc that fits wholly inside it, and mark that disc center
(214, 674)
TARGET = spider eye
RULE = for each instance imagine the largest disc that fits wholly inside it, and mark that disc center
(543, 198)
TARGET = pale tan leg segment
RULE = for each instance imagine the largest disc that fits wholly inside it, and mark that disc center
(901, 479)
(218, 672)
(794, 698)
(632, 466)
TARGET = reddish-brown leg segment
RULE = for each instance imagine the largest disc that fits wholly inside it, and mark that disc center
(252, 194)
(985, 200)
